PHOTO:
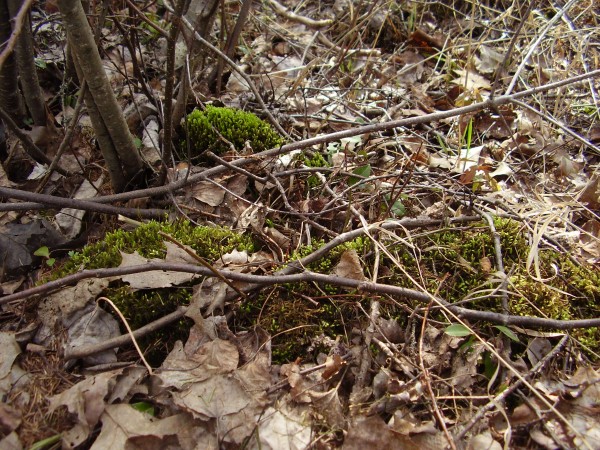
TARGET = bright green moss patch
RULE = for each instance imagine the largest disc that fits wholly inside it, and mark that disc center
(144, 306)
(208, 242)
(204, 127)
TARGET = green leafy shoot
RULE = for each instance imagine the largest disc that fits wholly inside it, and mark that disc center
(362, 172)
(457, 330)
(508, 332)
(45, 443)
(144, 407)
(44, 252)
(397, 209)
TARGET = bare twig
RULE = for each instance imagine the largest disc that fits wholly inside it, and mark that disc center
(534, 45)
(285, 12)
(167, 148)
(323, 139)
(67, 139)
(203, 262)
(44, 201)
(87, 350)
(266, 280)
(427, 380)
(129, 332)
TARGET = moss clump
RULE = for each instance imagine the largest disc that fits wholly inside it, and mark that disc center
(208, 242)
(144, 306)
(535, 299)
(324, 265)
(453, 255)
(236, 126)
(458, 252)
(296, 314)
(316, 160)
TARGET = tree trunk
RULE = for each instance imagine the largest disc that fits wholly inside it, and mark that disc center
(88, 59)
(25, 61)
(10, 98)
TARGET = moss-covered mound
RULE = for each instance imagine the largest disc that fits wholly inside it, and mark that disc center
(144, 306)
(208, 242)
(206, 128)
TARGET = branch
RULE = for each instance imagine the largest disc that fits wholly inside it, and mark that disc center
(44, 201)
(326, 138)
(266, 280)
(92, 349)
(384, 126)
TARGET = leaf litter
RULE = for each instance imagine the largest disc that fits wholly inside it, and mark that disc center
(383, 382)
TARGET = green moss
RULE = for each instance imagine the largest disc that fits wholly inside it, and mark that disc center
(295, 314)
(449, 263)
(454, 254)
(531, 298)
(236, 126)
(361, 244)
(208, 242)
(315, 159)
(144, 306)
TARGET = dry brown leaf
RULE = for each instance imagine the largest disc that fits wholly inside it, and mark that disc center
(299, 384)
(126, 428)
(486, 264)
(349, 266)
(213, 398)
(86, 400)
(333, 365)
(464, 366)
(328, 406)
(374, 434)
(284, 428)
(591, 239)
(471, 80)
(10, 372)
(489, 60)
(156, 279)
(591, 193)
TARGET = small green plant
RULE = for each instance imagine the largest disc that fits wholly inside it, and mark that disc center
(44, 252)
(214, 128)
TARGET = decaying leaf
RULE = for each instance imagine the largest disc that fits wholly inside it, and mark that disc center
(283, 428)
(125, 428)
(86, 400)
(401, 434)
(157, 279)
(349, 266)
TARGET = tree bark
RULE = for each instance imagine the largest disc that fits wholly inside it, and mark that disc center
(10, 97)
(26, 64)
(88, 59)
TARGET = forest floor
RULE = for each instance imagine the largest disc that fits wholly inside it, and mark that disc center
(415, 266)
